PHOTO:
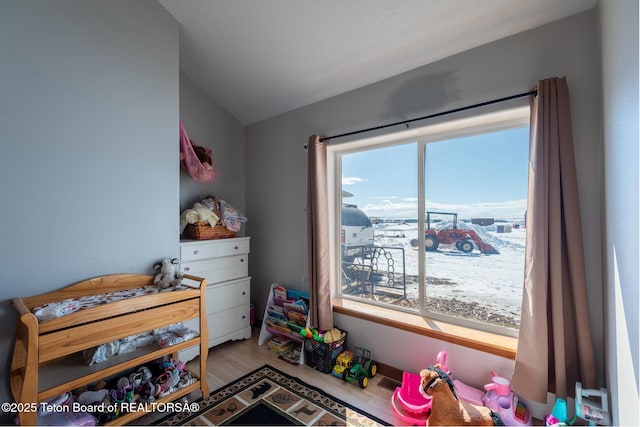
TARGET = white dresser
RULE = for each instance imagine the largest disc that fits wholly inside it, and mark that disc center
(225, 265)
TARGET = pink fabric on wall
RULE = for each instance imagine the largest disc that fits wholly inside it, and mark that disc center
(200, 170)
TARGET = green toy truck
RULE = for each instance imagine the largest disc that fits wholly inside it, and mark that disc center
(355, 367)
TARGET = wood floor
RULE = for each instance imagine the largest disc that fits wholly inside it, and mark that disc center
(231, 360)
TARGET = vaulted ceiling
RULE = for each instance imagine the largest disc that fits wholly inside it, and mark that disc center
(261, 58)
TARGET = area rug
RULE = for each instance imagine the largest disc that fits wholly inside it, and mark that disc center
(268, 396)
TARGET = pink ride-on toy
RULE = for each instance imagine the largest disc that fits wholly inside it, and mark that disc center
(413, 408)
(464, 392)
(408, 403)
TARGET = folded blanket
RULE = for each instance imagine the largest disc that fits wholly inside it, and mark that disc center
(199, 213)
(231, 217)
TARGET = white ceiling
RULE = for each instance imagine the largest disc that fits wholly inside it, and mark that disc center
(260, 58)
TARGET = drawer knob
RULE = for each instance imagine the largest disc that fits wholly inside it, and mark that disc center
(241, 259)
(244, 317)
(196, 252)
(187, 269)
(235, 248)
(244, 292)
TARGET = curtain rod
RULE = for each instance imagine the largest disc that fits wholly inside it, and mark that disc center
(430, 116)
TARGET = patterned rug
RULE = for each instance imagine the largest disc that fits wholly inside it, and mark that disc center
(268, 396)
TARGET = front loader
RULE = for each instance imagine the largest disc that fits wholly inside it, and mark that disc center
(461, 238)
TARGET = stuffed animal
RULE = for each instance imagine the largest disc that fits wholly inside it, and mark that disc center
(446, 408)
(168, 276)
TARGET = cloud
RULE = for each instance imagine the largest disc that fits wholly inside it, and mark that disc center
(350, 180)
(391, 209)
(506, 209)
(408, 208)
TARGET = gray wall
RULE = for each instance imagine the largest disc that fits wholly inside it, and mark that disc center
(210, 125)
(276, 165)
(88, 153)
(90, 179)
(619, 39)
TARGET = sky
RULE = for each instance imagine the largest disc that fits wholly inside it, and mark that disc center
(477, 176)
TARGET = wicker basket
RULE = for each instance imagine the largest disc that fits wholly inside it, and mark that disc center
(203, 231)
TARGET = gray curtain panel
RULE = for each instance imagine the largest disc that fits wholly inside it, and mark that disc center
(555, 347)
(321, 310)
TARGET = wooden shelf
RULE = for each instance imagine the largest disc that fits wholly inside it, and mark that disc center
(47, 358)
(72, 372)
(130, 416)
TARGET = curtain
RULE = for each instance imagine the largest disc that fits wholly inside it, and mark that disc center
(321, 310)
(554, 346)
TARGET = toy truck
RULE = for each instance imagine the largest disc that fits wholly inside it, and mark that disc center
(355, 367)
(343, 361)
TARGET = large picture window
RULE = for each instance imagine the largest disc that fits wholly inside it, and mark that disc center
(435, 225)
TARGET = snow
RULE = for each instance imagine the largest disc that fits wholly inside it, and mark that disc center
(493, 281)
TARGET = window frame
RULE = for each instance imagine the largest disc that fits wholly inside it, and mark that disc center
(497, 120)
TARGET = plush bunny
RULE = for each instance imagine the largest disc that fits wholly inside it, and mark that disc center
(168, 276)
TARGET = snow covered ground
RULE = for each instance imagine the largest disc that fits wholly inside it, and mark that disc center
(493, 281)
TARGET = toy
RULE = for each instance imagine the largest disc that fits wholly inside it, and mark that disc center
(356, 368)
(343, 361)
(408, 402)
(333, 335)
(413, 408)
(411, 399)
(465, 392)
(558, 415)
(446, 408)
(311, 333)
(168, 276)
(468, 394)
(502, 400)
(590, 410)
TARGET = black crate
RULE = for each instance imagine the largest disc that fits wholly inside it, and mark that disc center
(322, 356)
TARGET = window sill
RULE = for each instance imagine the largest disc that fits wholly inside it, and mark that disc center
(487, 342)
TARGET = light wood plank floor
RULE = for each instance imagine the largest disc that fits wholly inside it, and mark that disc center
(231, 360)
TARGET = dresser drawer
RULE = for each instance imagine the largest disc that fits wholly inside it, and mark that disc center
(198, 250)
(233, 247)
(223, 322)
(226, 322)
(195, 250)
(218, 269)
(227, 295)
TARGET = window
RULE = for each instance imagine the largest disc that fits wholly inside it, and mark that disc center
(456, 190)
